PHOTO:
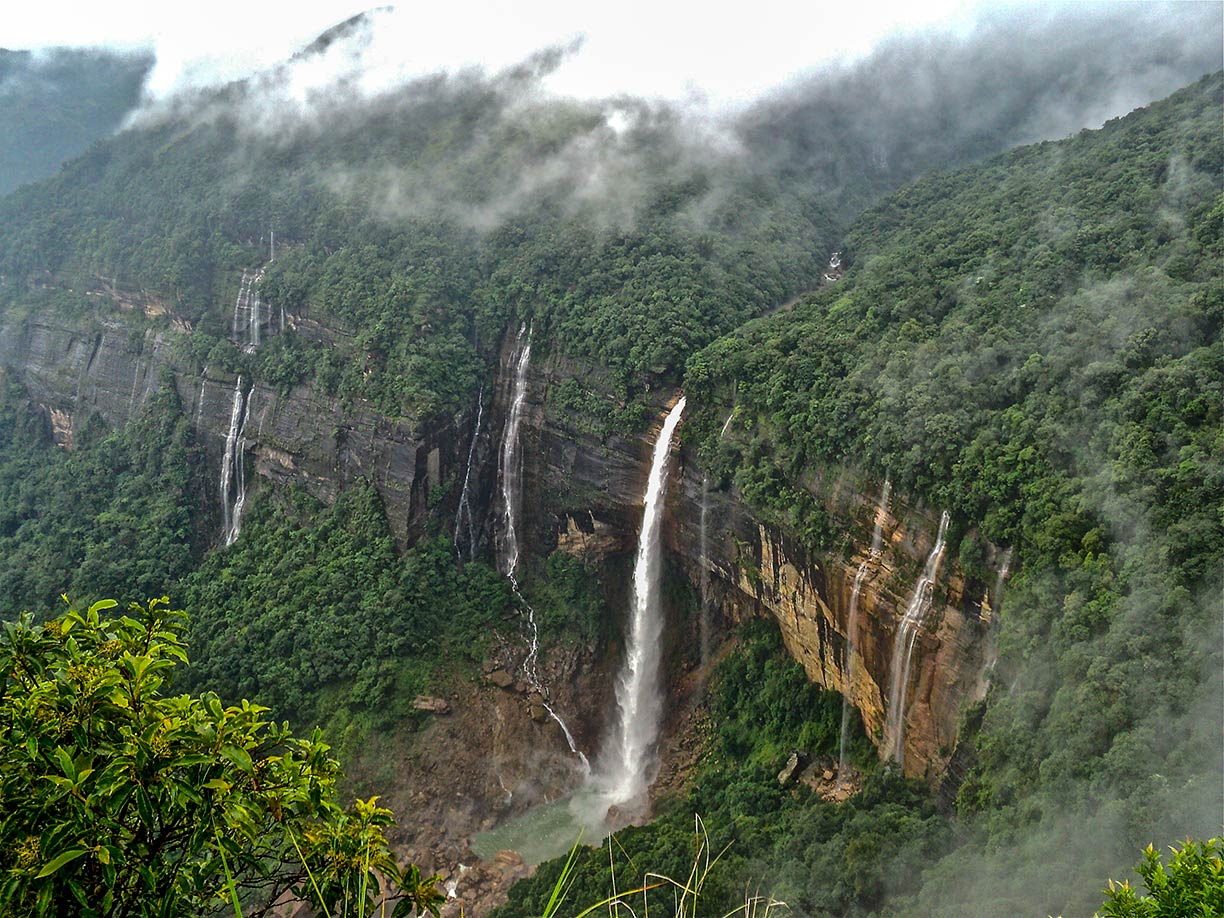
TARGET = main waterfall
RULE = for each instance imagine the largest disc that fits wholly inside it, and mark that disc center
(511, 471)
(903, 647)
(233, 469)
(638, 695)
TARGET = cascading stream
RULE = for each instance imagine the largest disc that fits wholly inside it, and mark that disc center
(877, 545)
(511, 476)
(903, 646)
(232, 470)
(464, 512)
(511, 466)
(638, 693)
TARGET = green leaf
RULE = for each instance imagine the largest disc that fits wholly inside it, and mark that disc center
(240, 758)
(101, 605)
(70, 855)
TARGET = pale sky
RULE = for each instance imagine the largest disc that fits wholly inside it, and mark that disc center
(726, 53)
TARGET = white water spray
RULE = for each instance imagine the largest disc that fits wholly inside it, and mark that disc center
(996, 597)
(244, 292)
(199, 419)
(511, 472)
(903, 646)
(464, 512)
(877, 545)
(233, 469)
(256, 319)
(638, 695)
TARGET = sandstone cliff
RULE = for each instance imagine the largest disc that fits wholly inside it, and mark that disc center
(583, 495)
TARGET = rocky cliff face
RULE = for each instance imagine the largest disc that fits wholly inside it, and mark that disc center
(587, 495)
(582, 494)
(110, 367)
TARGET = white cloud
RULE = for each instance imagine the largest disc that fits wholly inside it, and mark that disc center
(653, 48)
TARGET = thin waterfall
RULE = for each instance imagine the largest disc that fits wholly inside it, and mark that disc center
(240, 473)
(244, 292)
(996, 596)
(511, 472)
(638, 693)
(511, 475)
(464, 511)
(227, 462)
(255, 319)
(726, 424)
(199, 419)
(877, 546)
(903, 646)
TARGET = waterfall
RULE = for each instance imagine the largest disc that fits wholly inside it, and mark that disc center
(199, 419)
(233, 470)
(726, 424)
(244, 293)
(638, 694)
(511, 475)
(465, 507)
(903, 646)
(996, 597)
(877, 545)
(511, 472)
(255, 319)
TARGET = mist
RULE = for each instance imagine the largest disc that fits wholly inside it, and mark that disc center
(480, 146)
(54, 103)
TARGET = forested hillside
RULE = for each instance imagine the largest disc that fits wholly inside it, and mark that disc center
(1028, 338)
(1035, 345)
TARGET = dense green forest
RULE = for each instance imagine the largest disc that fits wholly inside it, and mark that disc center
(1035, 345)
(1032, 342)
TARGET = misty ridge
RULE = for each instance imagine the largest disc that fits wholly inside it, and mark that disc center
(54, 103)
(479, 148)
(1031, 345)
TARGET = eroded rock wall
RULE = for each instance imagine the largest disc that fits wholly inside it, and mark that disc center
(111, 367)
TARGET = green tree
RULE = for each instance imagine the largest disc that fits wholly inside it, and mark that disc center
(120, 799)
(1192, 886)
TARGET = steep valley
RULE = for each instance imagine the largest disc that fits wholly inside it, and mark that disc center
(938, 555)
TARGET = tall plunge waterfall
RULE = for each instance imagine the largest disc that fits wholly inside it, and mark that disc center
(511, 476)
(903, 646)
(233, 468)
(877, 546)
(638, 695)
(511, 472)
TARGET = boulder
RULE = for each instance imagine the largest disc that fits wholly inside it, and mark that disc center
(431, 704)
(501, 678)
(790, 770)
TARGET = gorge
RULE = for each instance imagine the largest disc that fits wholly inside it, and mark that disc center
(838, 500)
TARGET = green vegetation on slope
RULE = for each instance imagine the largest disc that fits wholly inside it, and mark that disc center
(821, 858)
(314, 611)
(123, 800)
(1035, 344)
(119, 515)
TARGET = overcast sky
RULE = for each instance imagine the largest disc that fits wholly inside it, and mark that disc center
(726, 53)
